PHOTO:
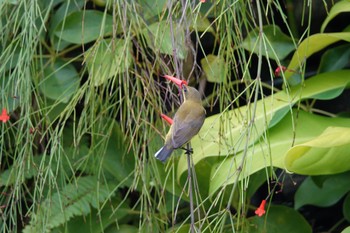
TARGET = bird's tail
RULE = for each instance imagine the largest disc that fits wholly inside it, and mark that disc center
(164, 153)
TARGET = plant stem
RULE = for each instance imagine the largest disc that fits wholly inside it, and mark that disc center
(189, 177)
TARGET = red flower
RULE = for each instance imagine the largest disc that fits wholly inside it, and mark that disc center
(4, 116)
(279, 69)
(202, 1)
(177, 81)
(282, 68)
(261, 210)
(167, 119)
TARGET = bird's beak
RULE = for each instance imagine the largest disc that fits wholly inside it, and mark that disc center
(177, 81)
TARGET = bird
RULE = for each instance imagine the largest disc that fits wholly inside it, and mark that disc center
(187, 122)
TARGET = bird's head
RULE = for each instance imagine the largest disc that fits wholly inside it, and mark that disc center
(191, 94)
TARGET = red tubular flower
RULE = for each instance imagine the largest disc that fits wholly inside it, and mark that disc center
(4, 116)
(177, 81)
(167, 119)
(261, 210)
(202, 1)
(282, 69)
(279, 69)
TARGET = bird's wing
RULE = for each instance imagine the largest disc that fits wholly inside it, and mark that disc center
(184, 129)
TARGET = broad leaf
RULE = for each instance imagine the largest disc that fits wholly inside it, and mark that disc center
(276, 44)
(328, 153)
(108, 58)
(160, 38)
(58, 17)
(84, 26)
(333, 188)
(279, 219)
(311, 45)
(225, 134)
(152, 9)
(339, 7)
(346, 207)
(346, 230)
(60, 81)
(214, 68)
(272, 152)
(335, 59)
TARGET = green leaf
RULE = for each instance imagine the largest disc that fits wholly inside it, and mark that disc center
(214, 68)
(346, 230)
(335, 59)
(84, 26)
(339, 7)
(346, 207)
(67, 8)
(202, 24)
(117, 161)
(60, 81)
(328, 153)
(276, 44)
(152, 9)
(75, 199)
(159, 37)
(311, 45)
(126, 229)
(334, 187)
(115, 210)
(279, 219)
(272, 153)
(220, 140)
(108, 58)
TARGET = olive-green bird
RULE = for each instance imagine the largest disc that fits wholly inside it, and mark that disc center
(187, 121)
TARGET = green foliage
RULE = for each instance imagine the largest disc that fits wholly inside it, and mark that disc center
(82, 27)
(81, 83)
(329, 190)
(280, 217)
(107, 58)
(214, 68)
(75, 199)
(277, 45)
(61, 81)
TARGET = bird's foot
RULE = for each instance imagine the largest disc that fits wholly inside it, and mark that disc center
(187, 150)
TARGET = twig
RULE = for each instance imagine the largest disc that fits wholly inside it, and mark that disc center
(189, 177)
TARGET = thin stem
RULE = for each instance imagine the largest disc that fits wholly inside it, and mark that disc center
(189, 177)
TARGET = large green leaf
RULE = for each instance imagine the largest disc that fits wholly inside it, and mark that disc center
(75, 199)
(160, 38)
(115, 210)
(59, 16)
(346, 207)
(108, 58)
(82, 27)
(214, 68)
(339, 7)
(272, 152)
(60, 81)
(311, 45)
(225, 134)
(328, 153)
(277, 45)
(152, 9)
(331, 190)
(346, 230)
(335, 59)
(280, 219)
